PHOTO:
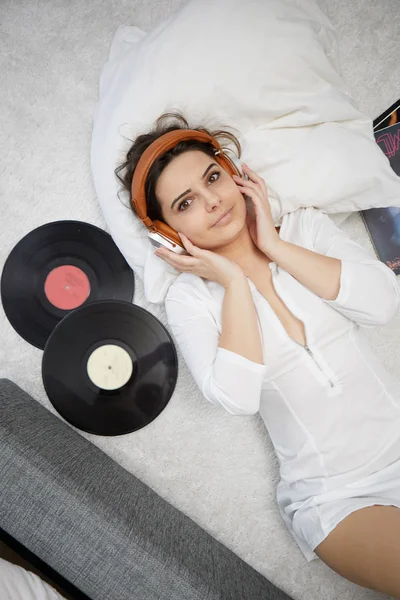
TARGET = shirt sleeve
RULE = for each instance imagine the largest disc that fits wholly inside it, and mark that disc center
(369, 291)
(224, 377)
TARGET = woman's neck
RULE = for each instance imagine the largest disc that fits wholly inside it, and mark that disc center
(244, 252)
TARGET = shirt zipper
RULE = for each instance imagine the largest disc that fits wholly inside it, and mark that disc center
(310, 353)
(313, 357)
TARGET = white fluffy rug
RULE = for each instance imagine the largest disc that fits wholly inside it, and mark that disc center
(218, 469)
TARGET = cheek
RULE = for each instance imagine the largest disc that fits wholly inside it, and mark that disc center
(234, 191)
(195, 226)
(192, 225)
(240, 203)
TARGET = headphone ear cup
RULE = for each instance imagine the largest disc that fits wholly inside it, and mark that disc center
(170, 233)
(238, 164)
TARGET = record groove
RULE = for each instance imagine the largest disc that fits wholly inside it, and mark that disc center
(56, 268)
(128, 334)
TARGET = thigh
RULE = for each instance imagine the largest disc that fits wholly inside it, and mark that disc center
(365, 548)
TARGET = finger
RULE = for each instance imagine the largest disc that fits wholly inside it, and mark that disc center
(247, 188)
(248, 170)
(177, 260)
(191, 248)
(184, 239)
(254, 184)
(255, 193)
(255, 176)
(257, 202)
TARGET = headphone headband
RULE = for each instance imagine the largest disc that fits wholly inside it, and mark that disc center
(158, 148)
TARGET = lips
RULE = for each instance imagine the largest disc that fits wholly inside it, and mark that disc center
(222, 216)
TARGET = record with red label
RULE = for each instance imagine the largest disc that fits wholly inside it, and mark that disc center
(109, 367)
(57, 268)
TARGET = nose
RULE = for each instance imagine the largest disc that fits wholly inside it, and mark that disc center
(212, 199)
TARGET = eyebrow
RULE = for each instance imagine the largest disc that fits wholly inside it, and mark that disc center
(189, 190)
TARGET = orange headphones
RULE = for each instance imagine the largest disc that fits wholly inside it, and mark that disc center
(160, 233)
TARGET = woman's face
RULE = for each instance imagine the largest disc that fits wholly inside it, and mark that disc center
(194, 192)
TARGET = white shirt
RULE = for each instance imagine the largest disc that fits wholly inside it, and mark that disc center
(333, 411)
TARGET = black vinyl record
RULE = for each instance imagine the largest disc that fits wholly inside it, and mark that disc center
(109, 367)
(57, 268)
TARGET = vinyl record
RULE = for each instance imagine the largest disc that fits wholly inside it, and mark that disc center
(55, 269)
(109, 368)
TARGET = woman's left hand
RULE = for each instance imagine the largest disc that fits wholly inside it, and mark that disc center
(262, 228)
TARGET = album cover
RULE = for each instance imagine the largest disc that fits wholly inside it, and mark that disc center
(388, 118)
(383, 224)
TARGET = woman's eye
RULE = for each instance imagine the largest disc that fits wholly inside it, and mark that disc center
(213, 177)
(183, 202)
(216, 174)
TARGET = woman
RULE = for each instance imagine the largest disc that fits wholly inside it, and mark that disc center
(269, 319)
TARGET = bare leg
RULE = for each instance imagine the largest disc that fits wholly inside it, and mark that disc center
(365, 548)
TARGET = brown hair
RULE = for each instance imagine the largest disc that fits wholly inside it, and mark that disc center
(143, 141)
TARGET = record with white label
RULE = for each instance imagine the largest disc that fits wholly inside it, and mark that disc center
(57, 268)
(110, 367)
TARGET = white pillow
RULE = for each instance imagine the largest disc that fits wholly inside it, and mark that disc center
(268, 68)
(17, 583)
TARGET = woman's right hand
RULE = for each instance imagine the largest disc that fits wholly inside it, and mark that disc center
(204, 263)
